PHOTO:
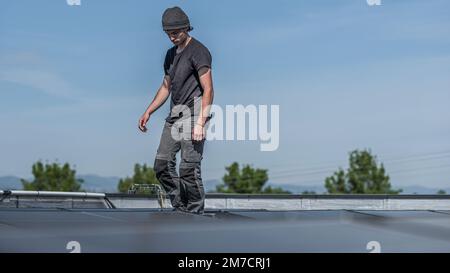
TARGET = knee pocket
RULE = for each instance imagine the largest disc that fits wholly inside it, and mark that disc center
(192, 153)
(190, 161)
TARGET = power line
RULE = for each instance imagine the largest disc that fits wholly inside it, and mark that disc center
(330, 169)
(327, 167)
(398, 158)
(421, 169)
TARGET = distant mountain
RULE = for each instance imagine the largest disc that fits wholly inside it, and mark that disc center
(92, 183)
(10, 183)
(415, 189)
(96, 183)
(210, 185)
(298, 189)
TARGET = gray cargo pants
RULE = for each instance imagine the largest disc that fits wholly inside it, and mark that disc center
(185, 190)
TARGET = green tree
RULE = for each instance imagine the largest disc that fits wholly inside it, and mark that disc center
(142, 175)
(52, 177)
(363, 176)
(246, 180)
(441, 192)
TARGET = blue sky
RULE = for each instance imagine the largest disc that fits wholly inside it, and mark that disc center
(75, 80)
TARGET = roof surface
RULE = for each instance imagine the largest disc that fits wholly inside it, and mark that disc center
(156, 230)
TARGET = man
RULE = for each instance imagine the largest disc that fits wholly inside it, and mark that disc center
(188, 80)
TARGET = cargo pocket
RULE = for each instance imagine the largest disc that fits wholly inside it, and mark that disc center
(192, 151)
(190, 171)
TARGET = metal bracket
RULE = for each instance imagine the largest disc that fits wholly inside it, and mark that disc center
(135, 188)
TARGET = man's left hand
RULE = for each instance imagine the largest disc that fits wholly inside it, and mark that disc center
(199, 132)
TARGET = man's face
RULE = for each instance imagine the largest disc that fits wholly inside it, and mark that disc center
(177, 36)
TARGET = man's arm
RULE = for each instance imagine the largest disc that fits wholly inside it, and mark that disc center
(159, 99)
(207, 98)
(199, 132)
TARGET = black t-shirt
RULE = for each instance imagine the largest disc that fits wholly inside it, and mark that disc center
(183, 69)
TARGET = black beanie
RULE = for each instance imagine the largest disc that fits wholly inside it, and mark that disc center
(175, 18)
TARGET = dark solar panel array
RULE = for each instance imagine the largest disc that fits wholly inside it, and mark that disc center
(153, 230)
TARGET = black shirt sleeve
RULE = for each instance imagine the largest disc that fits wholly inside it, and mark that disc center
(167, 62)
(201, 59)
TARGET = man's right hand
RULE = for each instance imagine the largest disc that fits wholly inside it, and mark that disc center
(160, 98)
(143, 121)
